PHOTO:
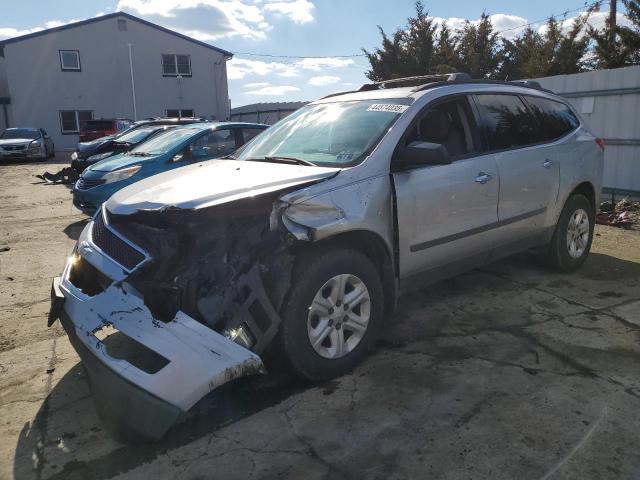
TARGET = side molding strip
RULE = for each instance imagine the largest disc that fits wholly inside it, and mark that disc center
(474, 231)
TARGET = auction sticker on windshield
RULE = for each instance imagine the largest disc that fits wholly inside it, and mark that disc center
(387, 107)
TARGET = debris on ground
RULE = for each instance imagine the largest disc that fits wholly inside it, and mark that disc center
(625, 213)
(66, 175)
(5, 248)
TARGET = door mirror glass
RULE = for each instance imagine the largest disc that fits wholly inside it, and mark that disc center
(184, 155)
(425, 153)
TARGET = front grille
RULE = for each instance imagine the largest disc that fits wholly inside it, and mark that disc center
(86, 184)
(114, 246)
(14, 148)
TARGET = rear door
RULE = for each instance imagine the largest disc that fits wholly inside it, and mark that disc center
(529, 172)
(446, 213)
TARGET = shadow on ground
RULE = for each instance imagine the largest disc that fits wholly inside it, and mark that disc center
(73, 230)
(477, 334)
(230, 403)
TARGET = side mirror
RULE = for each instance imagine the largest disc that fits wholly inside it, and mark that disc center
(184, 154)
(425, 153)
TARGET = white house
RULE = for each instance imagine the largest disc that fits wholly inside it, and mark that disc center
(113, 66)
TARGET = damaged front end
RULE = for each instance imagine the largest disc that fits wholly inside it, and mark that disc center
(166, 305)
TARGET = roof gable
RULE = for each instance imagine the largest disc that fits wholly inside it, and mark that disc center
(110, 16)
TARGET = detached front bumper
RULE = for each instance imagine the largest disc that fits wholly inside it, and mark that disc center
(143, 373)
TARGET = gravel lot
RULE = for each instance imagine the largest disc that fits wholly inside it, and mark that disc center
(510, 371)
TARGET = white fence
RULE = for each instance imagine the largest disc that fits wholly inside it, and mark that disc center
(609, 101)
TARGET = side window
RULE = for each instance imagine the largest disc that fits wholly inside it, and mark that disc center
(506, 121)
(555, 119)
(214, 144)
(447, 123)
(250, 133)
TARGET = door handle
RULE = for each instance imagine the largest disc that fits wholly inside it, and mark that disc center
(547, 163)
(483, 177)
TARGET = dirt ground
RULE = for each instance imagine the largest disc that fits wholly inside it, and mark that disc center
(510, 371)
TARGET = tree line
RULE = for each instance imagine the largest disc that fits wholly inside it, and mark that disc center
(425, 47)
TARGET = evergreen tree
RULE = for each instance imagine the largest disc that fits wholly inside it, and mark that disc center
(625, 49)
(478, 49)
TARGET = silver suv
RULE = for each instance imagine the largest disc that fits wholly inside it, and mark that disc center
(300, 244)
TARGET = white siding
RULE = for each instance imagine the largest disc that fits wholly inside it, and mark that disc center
(615, 117)
(39, 89)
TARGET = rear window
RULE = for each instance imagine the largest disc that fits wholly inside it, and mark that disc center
(506, 121)
(97, 125)
(555, 119)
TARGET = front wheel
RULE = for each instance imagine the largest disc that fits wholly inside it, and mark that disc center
(572, 237)
(333, 313)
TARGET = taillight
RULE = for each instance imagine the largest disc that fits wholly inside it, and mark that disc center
(600, 143)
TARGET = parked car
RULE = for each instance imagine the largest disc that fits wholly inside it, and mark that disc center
(26, 143)
(121, 143)
(86, 149)
(302, 245)
(172, 149)
(93, 129)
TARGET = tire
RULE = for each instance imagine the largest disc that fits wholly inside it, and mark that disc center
(320, 273)
(566, 252)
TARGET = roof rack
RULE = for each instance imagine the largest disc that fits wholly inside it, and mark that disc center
(528, 83)
(419, 80)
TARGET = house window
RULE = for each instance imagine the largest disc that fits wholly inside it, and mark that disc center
(122, 25)
(178, 113)
(70, 60)
(71, 120)
(174, 65)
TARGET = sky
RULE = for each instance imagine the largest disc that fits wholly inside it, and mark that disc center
(276, 42)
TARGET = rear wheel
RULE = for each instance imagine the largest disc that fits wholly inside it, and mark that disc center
(333, 314)
(571, 241)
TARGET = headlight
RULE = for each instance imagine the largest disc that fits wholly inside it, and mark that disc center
(122, 174)
(74, 156)
(100, 156)
(34, 146)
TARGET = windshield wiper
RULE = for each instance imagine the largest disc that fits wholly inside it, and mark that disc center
(229, 157)
(140, 154)
(291, 160)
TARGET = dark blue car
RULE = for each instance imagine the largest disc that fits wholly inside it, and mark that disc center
(174, 148)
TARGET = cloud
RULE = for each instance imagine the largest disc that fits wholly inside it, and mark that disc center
(9, 32)
(318, 64)
(299, 11)
(509, 25)
(256, 85)
(274, 90)
(596, 20)
(323, 80)
(238, 68)
(214, 19)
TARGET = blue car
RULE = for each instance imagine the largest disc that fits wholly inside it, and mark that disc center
(172, 149)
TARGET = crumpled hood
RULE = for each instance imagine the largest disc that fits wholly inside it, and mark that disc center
(92, 145)
(15, 141)
(211, 183)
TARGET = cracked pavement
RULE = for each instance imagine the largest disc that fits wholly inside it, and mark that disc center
(509, 371)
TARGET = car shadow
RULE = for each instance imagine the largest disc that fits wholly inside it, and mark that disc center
(77, 423)
(67, 415)
(73, 230)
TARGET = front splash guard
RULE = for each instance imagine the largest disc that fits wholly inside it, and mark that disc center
(196, 359)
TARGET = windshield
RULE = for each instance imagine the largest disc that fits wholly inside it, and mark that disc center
(30, 133)
(330, 134)
(164, 142)
(136, 136)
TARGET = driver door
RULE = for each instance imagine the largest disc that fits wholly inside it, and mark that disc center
(446, 212)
